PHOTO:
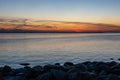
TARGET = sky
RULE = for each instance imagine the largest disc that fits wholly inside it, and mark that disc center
(93, 11)
(105, 11)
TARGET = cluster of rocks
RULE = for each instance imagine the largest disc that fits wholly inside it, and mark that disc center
(67, 71)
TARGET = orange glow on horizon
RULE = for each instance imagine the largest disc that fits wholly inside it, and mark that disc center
(58, 26)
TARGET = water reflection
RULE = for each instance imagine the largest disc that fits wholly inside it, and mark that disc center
(48, 48)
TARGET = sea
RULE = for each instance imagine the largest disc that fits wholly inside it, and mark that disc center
(51, 48)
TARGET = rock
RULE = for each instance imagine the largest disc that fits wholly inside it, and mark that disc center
(79, 76)
(92, 75)
(112, 63)
(9, 78)
(102, 67)
(86, 62)
(1, 76)
(26, 73)
(72, 70)
(103, 77)
(52, 75)
(14, 72)
(81, 67)
(85, 76)
(119, 59)
(47, 68)
(79, 72)
(116, 71)
(68, 64)
(30, 73)
(111, 59)
(37, 68)
(20, 70)
(72, 76)
(90, 66)
(22, 77)
(102, 73)
(15, 78)
(44, 76)
(114, 77)
(117, 66)
(57, 64)
(1, 69)
(69, 71)
(57, 74)
(6, 70)
(25, 64)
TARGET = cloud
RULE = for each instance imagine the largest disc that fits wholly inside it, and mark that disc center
(55, 26)
(48, 26)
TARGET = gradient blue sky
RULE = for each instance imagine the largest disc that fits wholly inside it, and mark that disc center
(98, 11)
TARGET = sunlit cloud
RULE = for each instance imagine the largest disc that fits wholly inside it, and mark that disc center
(54, 26)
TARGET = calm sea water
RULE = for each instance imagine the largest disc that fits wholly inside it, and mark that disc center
(44, 48)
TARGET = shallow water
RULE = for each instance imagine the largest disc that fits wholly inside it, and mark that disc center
(44, 48)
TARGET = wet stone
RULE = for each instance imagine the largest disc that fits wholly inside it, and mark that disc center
(81, 67)
(68, 71)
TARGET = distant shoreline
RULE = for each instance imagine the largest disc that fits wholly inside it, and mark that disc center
(59, 32)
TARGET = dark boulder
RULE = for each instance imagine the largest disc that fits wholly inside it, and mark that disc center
(1, 76)
(20, 77)
(6, 70)
(47, 68)
(102, 67)
(117, 66)
(72, 76)
(103, 77)
(45, 76)
(90, 66)
(119, 59)
(58, 74)
(81, 67)
(57, 64)
(9, 78)
(114, 77)
(52, 75)
(24, 64)
(112, 63)
(111, 59)
(20, 70)
(79, 76)
(68, 64)
(30, 73)
(37, 68)
(116, 71)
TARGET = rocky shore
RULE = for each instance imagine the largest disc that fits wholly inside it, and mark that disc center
(67, 71)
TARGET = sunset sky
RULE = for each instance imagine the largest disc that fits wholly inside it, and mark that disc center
(96, 12)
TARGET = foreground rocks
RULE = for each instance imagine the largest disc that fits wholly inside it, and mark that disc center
(67, 71)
